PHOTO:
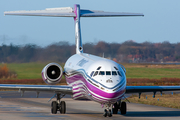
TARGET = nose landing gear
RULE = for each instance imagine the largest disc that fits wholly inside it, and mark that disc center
(107, 112)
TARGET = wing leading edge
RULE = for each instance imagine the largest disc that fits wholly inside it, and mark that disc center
(39, 88)
(140, 89)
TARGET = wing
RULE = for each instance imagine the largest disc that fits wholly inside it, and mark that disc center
(39, 88)
(140, 89)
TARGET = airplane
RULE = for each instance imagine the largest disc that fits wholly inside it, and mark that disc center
(88, 77)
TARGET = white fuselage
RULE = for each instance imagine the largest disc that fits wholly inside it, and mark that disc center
(95, 78)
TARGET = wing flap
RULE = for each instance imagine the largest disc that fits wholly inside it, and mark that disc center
(40, 88)
(140, 89)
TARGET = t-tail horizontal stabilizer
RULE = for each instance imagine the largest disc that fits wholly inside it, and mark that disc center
(51, 12)
(70, 12)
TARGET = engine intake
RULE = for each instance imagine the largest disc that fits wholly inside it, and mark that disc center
(52, 73)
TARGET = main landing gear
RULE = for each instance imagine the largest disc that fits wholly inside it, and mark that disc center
(119, 106)
(58, 105)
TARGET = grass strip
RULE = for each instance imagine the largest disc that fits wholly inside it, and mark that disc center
(166, 100)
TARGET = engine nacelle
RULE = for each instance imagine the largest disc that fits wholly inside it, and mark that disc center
(52, 73)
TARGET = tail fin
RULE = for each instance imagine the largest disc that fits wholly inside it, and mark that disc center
(76, 14)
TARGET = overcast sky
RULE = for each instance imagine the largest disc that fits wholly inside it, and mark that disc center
(160, 23)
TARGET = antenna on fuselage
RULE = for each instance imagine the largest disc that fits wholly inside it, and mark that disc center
(76, 14)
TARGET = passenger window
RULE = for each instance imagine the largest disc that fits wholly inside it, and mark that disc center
(92, 73)
(95, 73)
(108, 72)
(114, 73)
(119, 73)
(101, 73)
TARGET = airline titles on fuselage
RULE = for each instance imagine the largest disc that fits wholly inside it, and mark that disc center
(82, 62)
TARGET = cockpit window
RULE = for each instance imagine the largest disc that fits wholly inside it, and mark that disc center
(92, 73)
(114, 73)
(123, 68)
(99, 68)
(108, 72)
(95, 73)
(101, 73)
(119, 73)
(116, 68)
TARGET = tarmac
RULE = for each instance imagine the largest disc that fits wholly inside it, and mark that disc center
(28, 107)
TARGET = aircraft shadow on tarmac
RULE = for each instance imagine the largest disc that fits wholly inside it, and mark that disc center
(84, 113)
(153, 114)
(142, 114)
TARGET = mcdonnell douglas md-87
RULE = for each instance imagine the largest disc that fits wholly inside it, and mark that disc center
(88, 77)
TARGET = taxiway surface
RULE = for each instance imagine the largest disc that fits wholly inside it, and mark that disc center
(13, 106)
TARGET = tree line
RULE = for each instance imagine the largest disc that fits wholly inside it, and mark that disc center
(128, 51)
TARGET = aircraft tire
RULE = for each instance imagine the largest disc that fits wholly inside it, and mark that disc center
(115, 109)
(105, 113)
(63, 107)
(109, 113)
(123, 108)
(54, 107)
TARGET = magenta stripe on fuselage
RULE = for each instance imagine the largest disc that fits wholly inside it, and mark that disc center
(84, 90)
(79, 77)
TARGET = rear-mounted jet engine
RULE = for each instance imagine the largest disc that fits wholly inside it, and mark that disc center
(52, 73)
